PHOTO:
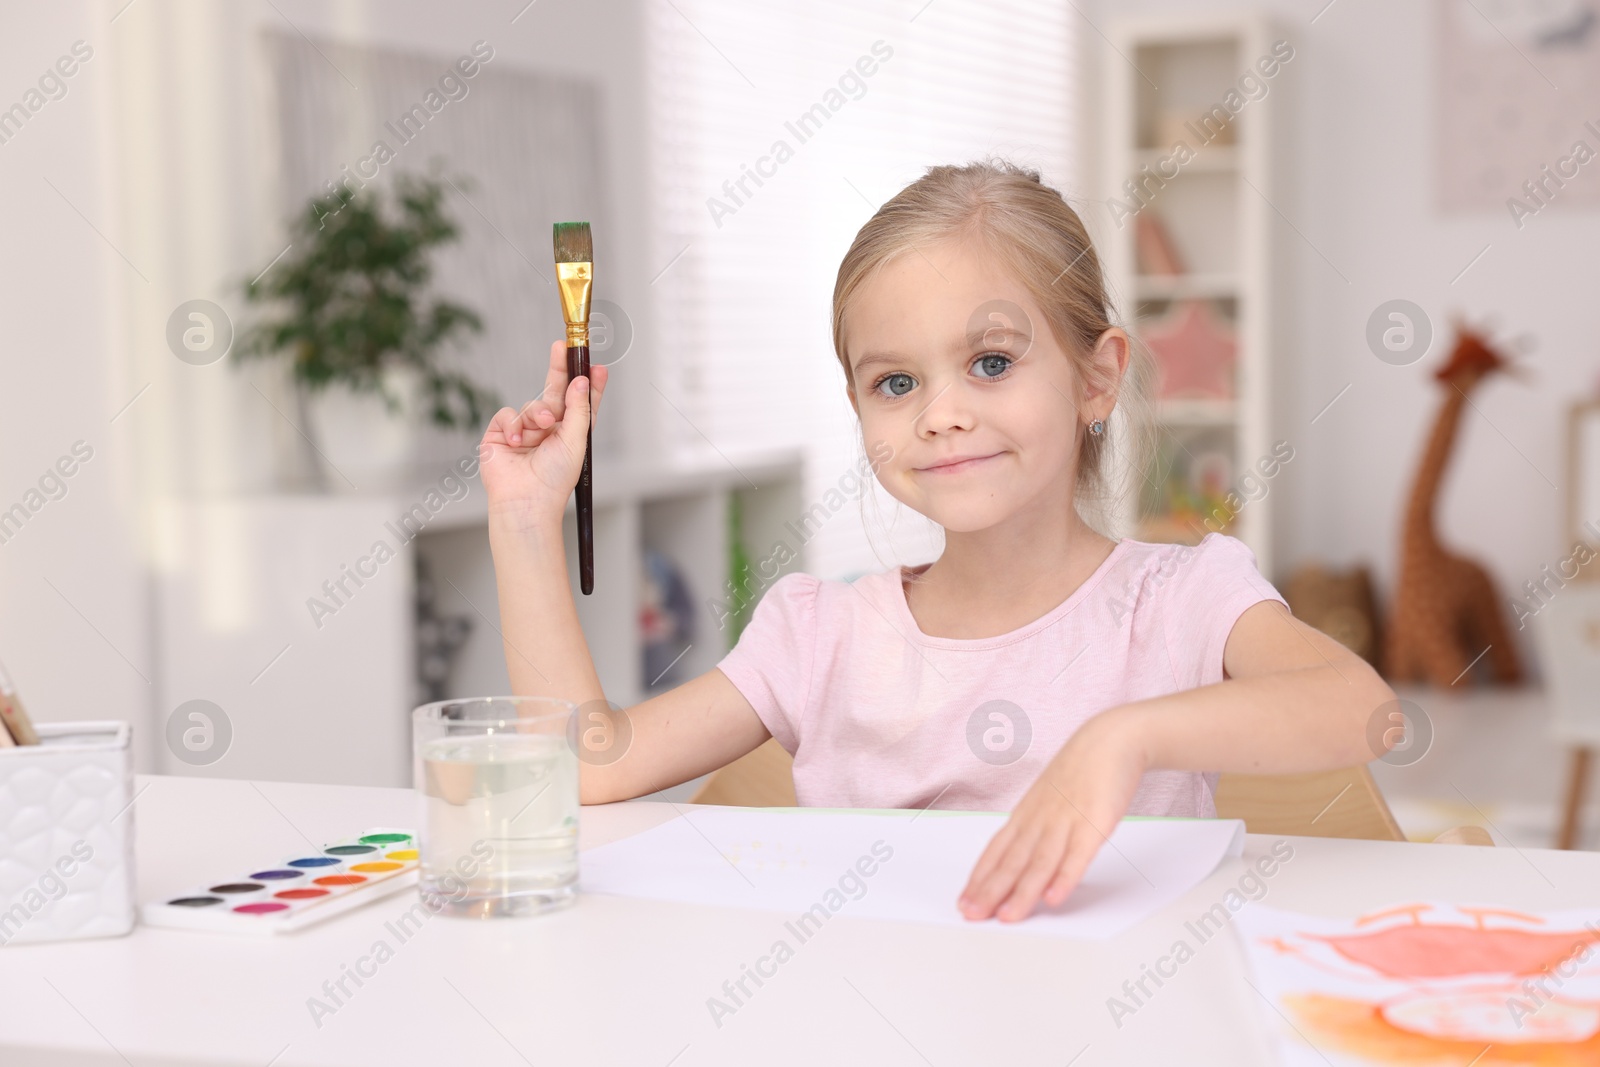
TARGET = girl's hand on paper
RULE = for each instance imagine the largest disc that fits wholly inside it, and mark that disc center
(531, 459)
(1061, 822)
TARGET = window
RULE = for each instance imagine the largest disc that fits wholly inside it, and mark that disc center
(778, 129)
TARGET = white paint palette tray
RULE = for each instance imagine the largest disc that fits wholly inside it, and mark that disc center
(305, 888)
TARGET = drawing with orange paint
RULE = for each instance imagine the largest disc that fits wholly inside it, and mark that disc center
(1429, 983)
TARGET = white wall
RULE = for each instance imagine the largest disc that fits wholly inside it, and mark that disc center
(74, 607)
(1360, 187)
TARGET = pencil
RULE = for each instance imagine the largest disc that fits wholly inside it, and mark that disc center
(18, 727)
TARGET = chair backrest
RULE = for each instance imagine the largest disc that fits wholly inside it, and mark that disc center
(1568, 634)
(762, 779)
(1342, 803)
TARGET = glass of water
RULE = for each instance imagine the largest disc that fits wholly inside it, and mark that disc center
(497, 781)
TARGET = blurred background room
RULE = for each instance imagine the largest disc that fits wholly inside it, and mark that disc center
(1351, 232)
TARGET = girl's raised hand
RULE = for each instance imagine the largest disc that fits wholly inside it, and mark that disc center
(1060, 823)
(531, 459)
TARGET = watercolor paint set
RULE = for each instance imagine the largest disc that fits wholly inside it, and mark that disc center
(305, 888)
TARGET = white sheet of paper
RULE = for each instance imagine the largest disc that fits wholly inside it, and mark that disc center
(900, 866)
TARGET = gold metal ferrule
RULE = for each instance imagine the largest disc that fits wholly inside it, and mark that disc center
(574, 281)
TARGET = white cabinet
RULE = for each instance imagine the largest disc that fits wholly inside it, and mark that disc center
(295, 615)
(307, 695)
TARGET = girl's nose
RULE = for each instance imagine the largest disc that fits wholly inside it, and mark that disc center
(948, 408)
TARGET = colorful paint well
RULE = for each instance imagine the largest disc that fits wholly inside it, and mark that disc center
(320, 883)
(300, 894)
(340, 879)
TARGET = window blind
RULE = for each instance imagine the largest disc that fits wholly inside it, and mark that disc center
(778, 129)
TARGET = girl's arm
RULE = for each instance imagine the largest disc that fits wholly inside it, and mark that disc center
(530, 461)
(1293, 700)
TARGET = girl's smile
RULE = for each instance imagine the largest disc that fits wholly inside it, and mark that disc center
(958, 464)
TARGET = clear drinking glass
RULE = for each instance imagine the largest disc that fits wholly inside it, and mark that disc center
(497, 781)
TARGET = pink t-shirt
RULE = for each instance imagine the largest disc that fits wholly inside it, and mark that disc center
(879, 715)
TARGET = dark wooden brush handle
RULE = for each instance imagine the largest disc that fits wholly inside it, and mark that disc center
(578, 365)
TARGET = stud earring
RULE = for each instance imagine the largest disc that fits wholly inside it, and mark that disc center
(1098, 427)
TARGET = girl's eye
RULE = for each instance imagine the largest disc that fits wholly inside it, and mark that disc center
(899, 384)
(993, 365)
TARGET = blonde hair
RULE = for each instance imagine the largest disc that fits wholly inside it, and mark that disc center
(1032, 229)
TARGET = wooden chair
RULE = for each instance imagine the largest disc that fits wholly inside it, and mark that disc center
(761, 779)
(1568, 629)
(1341, 803)
(1568, 633)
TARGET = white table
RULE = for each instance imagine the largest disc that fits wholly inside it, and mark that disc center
(614, 980)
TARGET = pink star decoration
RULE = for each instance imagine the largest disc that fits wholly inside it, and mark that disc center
(1195, 351)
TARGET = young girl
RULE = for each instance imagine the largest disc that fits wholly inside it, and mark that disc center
(1036, 666)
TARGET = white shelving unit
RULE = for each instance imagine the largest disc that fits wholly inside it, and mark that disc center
(328, 699)
(1217, 213)
(678, 509)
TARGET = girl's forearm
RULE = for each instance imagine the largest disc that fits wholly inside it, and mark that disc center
(695, 731)
(1290, 722)
(546, 654)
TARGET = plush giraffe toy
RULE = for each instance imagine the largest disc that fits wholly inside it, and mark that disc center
(1446, 614)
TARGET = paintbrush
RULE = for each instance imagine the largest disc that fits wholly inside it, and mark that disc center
(574, 277)
(14, 721)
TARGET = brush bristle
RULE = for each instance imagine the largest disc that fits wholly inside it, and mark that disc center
(573, 243)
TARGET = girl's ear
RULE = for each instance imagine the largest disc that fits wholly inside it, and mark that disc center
(1109, 361)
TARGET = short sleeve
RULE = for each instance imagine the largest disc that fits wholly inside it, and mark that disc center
(772, 662)
(1216, 584)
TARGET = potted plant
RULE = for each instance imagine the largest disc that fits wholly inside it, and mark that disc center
(350, 311)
